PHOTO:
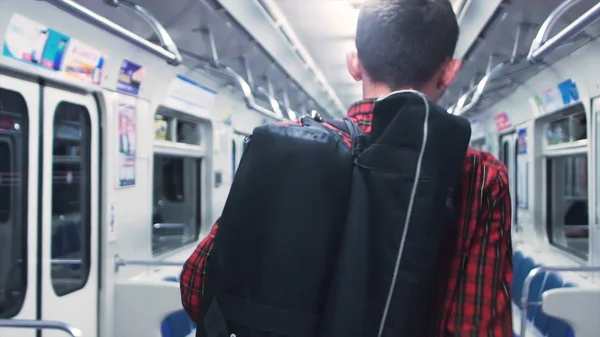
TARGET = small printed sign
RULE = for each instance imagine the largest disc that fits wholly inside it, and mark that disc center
(502, 121)
(131, 76)
(186, 95)
(126, 114)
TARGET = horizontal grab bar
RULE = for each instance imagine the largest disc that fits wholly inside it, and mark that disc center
(66, 261)
(40, 325)
(120, 262)
(524, 304)
(169, 226)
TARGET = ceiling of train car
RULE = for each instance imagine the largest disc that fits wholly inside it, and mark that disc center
(187, 20)
(508, 38)
(329, 26)
(326, 29)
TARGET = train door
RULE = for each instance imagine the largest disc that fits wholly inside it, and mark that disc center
(69, 218)
(508, 156)
(19, 113)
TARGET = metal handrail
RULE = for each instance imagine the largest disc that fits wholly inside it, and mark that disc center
(228, 72)
(40, 325)
(542, 45)
(168, 51)
(524, 303)
(248, 96)
(292, 115)
(120, 262)
(274, 104)
(159, 30)
(480, 88)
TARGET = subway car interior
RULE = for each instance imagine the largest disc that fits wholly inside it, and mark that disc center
(92, 240)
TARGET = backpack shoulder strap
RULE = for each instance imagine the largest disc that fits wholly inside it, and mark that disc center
(358, 137)
(346, 125)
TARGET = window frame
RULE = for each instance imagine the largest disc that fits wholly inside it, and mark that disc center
(550, 152)
(171, 147)
(550, 226)
(197, 200)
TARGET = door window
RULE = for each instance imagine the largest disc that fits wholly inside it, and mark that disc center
(71, 219)
(13, 208)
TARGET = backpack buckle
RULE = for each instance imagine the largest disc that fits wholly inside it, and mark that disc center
(359, 144)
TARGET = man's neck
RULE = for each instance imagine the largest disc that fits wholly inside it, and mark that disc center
(375, 90)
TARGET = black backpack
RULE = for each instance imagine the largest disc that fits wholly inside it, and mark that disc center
(321, 239)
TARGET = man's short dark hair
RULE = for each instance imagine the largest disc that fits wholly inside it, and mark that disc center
(404, 42)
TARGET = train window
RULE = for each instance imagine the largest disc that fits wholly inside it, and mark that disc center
(567, 206)
(71, 170)
(13, 205)
(579, 126)
(566, 130)
(176, 202)
(188, 133)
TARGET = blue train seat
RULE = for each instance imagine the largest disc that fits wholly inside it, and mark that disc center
(177, 324)
(171, 279)
(519, 275)
(548, 326)
(552, 281)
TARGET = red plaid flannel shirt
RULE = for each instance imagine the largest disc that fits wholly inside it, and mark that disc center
(479, 302)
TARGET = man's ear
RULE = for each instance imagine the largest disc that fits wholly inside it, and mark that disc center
(449, 73)
(354, 67)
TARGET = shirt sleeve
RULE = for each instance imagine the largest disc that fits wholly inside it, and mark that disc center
(191, 283)
(483, 305)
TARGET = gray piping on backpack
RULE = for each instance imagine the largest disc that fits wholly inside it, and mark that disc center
(410, 205)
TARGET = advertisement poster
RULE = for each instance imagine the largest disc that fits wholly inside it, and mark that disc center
(83, 62)
(537, 105)
(127, 134)
(522, 141)
(29, 41)
(552, 99)
(131, 76)
(502, 121)
(160, 129)
(568, 91)
(25, 40)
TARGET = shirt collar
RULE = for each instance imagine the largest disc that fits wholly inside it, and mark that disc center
(364, 107)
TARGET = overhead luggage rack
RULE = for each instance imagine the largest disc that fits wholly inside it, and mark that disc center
(167, 49)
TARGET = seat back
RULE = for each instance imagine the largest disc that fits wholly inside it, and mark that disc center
(519, 277)
(541, 320)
